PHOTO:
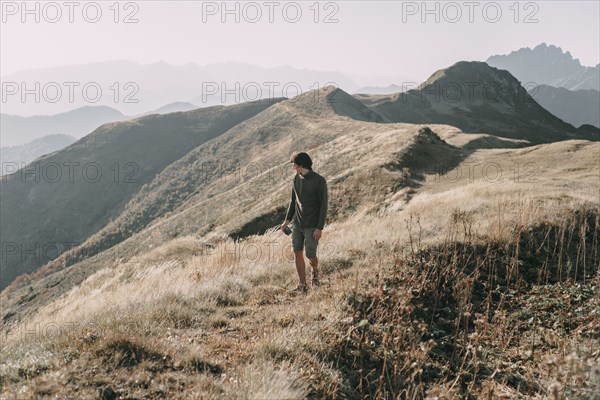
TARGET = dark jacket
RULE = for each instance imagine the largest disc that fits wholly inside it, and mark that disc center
(308, 206)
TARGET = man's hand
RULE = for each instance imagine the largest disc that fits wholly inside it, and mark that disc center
(285, 224)
(317, 234)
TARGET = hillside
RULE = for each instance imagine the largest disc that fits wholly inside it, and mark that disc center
(454, 265)
(94, 178)
(579, 107)
(209, 171)
(449, 282)
(476, 98)
(214, 193)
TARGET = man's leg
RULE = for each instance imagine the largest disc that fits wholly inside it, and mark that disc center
(311, 254)
(300, 266)
(298, 249)
(314, 263)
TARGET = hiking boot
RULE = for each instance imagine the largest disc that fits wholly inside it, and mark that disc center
(301, 288)
(315, 281)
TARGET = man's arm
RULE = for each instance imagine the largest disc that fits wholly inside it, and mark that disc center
(292, 207)
(322, 197)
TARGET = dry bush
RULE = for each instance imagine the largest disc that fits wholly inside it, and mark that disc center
(472, 319)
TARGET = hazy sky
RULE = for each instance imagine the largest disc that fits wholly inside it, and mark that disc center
(370, 39)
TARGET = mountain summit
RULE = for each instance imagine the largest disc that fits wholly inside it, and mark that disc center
(475, 97)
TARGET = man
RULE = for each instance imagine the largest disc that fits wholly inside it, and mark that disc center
(308, 210)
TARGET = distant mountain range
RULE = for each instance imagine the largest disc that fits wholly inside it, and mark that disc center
(393, 88)
(17, 156)
(136, 88)
(173, 107)
(208, 85)
(16, 130)
(548, 65)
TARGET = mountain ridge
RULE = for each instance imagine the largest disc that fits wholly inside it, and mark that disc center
(476, 97)
(548, 65)
(16, 130)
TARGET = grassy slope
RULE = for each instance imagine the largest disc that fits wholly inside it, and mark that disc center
(88, 204)
(201, 322)
(229, 202)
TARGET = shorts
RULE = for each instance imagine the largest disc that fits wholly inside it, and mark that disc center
(302, 236)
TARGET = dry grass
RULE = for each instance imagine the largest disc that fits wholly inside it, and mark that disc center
(475, 319)
(266, 345)
(471, 289)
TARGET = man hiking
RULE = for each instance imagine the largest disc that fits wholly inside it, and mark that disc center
(308, 210)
